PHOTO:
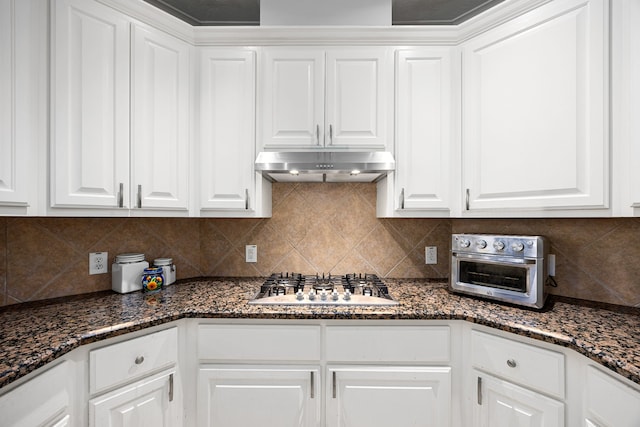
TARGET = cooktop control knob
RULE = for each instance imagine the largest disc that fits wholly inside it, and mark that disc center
(517, 246)
(465, 243)
(312, 295)
(498, 245)
(481, 244)
(347, 295)
(299, 295)
(323, 295)
(335, 295)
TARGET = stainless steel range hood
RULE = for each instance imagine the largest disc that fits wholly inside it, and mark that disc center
(324, 166)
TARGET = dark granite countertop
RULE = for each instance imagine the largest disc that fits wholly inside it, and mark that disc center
(33, 334)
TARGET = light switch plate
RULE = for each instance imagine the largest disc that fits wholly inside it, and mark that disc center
(251, 253)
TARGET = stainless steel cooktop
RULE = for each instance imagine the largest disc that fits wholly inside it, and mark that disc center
(299, 289)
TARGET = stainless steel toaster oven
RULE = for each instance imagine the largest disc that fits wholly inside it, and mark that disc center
(505, 268)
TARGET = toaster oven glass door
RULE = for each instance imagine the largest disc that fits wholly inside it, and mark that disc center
(498, 275)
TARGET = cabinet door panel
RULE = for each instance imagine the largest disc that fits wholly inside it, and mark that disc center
(293, 105)
(609, 402)
(502, 404)
(356, 98)
(227, 129)
(423, 128)
(381, 396)
(15, 103)
(535, 110)
(90, 108)
(260, 396)
(150, 402)
(160, 107)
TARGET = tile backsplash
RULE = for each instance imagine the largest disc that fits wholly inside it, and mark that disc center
(330, 228)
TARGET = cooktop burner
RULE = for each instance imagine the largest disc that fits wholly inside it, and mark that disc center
(298, 289)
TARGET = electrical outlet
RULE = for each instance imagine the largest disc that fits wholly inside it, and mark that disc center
(251, 253)
(98, 262)
(431, 255)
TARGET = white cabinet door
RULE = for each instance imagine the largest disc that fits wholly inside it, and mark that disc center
(357, 101)
(313, 98)
(388, 396)
(502, 404)
(535, 111)
(258, 396)
(609, 402)
(16, 121)
(227, 135)
(423, 131)
(160, 120)
(90, 105)
(293, 98)
(154, 401)
(46, 400)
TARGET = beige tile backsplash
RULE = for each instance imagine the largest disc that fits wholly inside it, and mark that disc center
(330, 228)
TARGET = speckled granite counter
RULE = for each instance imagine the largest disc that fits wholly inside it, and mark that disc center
(34, 334)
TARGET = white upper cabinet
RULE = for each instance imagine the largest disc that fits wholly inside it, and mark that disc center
(535, 112)
(17, 163)
(312, 98)
(625, 83)
(160, 120)
(90, 106)
(120, 141)
(423, 135)
(229, 185)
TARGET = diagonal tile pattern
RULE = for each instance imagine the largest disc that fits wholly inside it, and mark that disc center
(324, 227)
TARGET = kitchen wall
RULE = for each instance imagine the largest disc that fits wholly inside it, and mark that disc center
(314, 228)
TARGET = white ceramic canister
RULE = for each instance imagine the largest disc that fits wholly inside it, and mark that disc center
(126, 272)
(169, 270)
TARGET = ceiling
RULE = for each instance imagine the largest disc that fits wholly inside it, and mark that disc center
(247, 12)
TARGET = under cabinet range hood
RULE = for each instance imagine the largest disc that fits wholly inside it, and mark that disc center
(324, 166)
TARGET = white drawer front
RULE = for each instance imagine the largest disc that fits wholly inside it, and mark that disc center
(388, 343)
(259, 342)
(531, 366)
(128, 360)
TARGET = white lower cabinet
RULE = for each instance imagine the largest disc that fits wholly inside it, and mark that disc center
(44, 401)
(609, 402)
(149, 402)
(503, 404)
(386, 396)
(258, 396)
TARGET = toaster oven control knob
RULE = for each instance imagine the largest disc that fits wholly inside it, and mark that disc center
(517, 247)
(481, 244)
(465, 243)
(498, 245)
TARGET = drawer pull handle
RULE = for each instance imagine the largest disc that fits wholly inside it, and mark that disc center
(511, 363)
(139, 360)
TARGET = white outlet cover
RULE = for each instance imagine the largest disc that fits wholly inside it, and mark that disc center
(98, 262)
(431, 255)
(251, 253)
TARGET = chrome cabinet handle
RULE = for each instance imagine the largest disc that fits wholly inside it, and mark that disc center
(317, 134)
(246, 199)
(402, 199)
(333, 384)
(171, 388)
(139, 197)
(313, 386)
(479, 390)
(511, 363)
(139, 360)
(121, 196)
(467, 201)
(330, 134)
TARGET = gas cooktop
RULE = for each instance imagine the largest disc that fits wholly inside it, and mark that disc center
(299, 289)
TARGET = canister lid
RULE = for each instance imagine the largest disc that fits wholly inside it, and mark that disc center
(162, 261)
(129, 258)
